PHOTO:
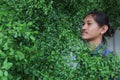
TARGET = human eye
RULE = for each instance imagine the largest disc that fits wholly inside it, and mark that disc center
(83, 24)
(89, 23)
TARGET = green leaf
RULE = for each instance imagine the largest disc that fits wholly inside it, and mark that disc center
(4, 78)
(5, 73)
(32, 37)
(5, 46)
(1, 40)
(29, 23)
(6, 65)
(19, 55)
(2, 54)
(1, 73)
(11, 51)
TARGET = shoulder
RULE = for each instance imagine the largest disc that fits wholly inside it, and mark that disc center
(105, 51)
(109, 54)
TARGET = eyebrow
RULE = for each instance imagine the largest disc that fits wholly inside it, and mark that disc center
(88, 21)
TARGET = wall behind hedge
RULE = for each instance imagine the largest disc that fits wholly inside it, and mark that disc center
(34, 34)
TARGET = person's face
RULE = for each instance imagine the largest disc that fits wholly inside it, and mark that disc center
(90, 29)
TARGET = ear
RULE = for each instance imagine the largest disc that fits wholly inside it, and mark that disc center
(104, 29)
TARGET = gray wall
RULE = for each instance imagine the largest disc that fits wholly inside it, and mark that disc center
(114, 42)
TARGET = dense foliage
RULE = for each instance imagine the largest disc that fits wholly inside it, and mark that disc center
(40, 40)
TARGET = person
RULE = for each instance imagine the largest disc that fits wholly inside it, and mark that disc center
(94, 30)
(95, 27)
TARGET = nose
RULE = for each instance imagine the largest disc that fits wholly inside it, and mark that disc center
(84, 26)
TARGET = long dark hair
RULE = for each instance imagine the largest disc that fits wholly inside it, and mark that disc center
(102, 19)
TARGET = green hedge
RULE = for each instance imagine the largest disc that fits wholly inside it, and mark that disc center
(38, 40)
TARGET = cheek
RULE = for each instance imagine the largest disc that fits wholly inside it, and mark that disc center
(92, 33)
(95, 32)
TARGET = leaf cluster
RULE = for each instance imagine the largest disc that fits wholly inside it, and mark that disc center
(41, 40)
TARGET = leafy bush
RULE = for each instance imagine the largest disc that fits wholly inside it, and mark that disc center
(40, 40)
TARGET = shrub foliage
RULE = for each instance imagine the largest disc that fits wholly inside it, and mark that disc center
(40, 40)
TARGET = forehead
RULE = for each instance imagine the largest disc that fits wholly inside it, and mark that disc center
(89, 18)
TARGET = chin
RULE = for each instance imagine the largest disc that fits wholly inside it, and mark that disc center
(85, 38)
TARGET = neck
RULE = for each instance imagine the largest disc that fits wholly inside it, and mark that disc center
(94, 42)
